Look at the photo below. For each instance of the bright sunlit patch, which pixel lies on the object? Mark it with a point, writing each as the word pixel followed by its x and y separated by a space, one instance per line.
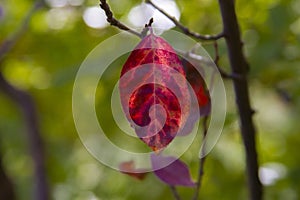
pixel 270 173
pixel 95 17
pixel 62 191
pixel 88 175
pixel 57 3
pixel 62 3
pixel 25 74
pixel 75 2
pixel 295 26
pixel 296 6
pixel 57 18
pixel 18 72
pixel 87 195
pixel 291 52
pixel 141 14
pixel 39 78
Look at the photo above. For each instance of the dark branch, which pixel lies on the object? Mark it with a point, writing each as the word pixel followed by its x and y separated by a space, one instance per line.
pixel 149 23
pixel 147 27
pixel 217 55
pixel 239 66
pixel 185 29
pixel 175 192
pixel 27 105
pixel 113 21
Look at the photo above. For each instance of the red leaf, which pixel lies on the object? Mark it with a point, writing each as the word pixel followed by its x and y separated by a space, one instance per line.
pixel 155 125
pixel 195 79
pixel 129 169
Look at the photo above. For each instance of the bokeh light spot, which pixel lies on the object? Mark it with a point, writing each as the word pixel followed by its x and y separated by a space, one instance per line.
pixel 95 17
pixel 140 15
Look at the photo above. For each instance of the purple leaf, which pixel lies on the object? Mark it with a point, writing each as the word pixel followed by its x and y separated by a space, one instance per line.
pixel 175 174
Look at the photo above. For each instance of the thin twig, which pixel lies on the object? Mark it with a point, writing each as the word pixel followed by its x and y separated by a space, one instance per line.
pixel 113 21
pixel 10 42
pixel 222 72
pixel 175 192
pixel 217 55
pixel 232 76
pixel 199 58
pixel 183 28
pixel 201 160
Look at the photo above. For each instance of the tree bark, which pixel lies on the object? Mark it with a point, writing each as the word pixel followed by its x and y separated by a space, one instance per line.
pixel 239 67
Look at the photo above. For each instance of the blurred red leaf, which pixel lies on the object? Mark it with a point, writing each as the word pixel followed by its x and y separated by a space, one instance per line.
pixel 129 169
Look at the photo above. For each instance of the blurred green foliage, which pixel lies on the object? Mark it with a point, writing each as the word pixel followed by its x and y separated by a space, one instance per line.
pixel 48 56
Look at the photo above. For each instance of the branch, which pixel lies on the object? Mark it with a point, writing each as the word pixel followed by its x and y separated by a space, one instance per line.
pixel 9 43
pixel 174 192
pixel 198 58
pixel 239 66
pixel 201 161
pixel 183 28
pixel 222 72
pixel 113 21
pixel 25 102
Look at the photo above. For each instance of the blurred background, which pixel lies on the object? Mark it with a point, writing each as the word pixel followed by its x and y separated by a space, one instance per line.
pixel 62 33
